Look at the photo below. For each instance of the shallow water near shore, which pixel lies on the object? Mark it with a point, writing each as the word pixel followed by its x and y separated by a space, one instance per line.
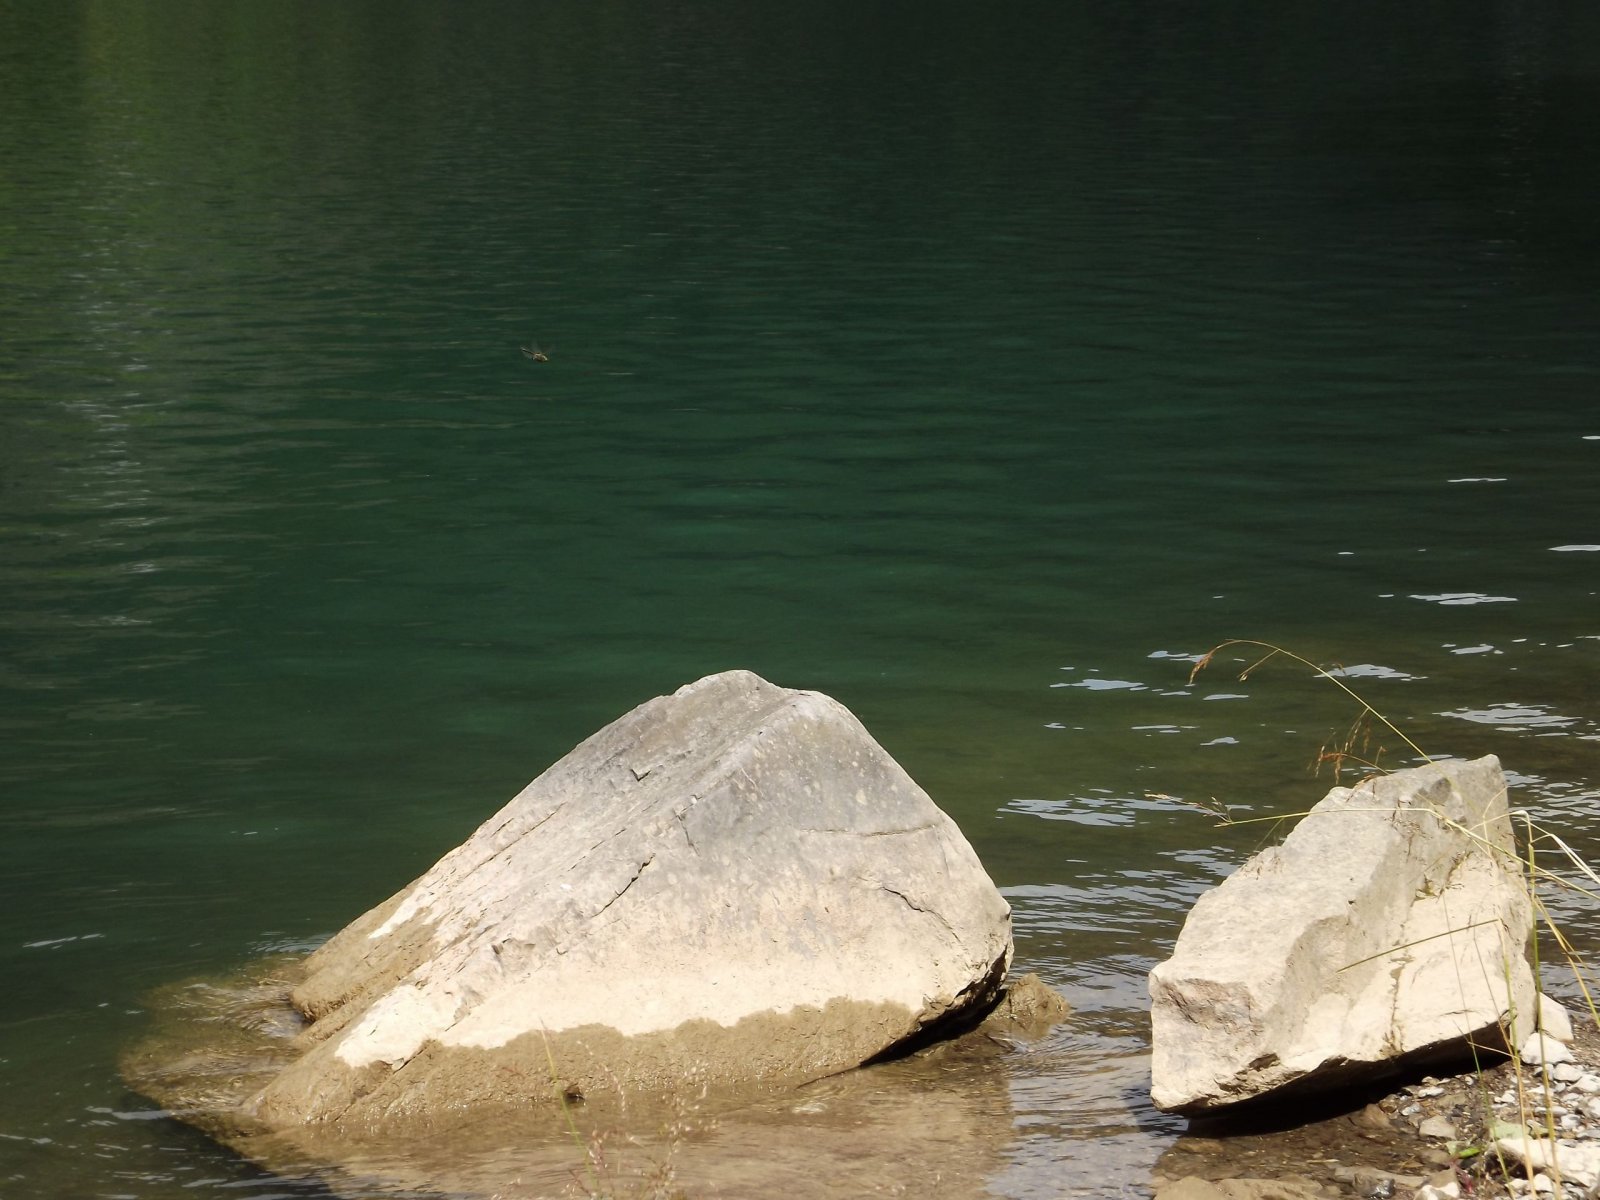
pixel 981 373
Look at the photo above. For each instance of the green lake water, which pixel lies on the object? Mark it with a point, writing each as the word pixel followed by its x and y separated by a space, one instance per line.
pixel 980 367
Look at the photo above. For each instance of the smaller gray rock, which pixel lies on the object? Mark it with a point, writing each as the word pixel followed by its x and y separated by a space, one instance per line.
pixel 1540 1048
pixel 1578 1165
pixel 1553 1019
pixel 1437 1127
pixel 1372 1117
pixel 1029 1008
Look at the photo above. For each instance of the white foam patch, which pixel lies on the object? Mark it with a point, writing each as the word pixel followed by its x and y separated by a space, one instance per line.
pixel 1369 671
pixel 51 943
pixel 1056 810
pixel 1465 598
pixel 1573 549
pixel 1513 716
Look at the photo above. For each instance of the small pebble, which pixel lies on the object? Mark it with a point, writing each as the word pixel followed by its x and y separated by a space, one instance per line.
pixel 1540 1048
pixel 1368 1180
pixel 1371 1117
pixel 1553 1019
pixel 1427 1093
pixel 1588 1083
pixel 1566 1072
pixel 1411 1110
pixel 1437 1127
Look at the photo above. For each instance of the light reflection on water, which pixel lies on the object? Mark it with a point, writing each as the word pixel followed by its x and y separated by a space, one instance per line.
pixel 982 376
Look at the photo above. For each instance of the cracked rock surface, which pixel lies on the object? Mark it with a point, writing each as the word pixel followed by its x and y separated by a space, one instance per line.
pixel 731 884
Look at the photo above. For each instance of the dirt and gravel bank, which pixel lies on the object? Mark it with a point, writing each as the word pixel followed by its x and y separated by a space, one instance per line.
pixel 1438 1138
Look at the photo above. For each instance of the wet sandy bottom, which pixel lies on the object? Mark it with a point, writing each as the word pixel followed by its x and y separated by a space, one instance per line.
pixel 968 1119
pixel 996 1112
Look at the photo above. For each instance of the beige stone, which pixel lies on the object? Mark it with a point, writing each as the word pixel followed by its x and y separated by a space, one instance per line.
pixel 1576 1164
pixel 1554 1020
pixel 1390 925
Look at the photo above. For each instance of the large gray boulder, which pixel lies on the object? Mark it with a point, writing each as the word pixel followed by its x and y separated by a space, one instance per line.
pixel 1389 930
pixel 731 883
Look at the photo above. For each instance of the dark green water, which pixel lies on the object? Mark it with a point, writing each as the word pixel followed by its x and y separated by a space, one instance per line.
pixel 978 368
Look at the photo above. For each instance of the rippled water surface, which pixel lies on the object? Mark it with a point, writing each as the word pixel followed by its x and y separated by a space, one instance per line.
pixel 981 368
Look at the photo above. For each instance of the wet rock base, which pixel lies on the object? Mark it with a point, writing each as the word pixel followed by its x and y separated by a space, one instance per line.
pixel 935 1122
